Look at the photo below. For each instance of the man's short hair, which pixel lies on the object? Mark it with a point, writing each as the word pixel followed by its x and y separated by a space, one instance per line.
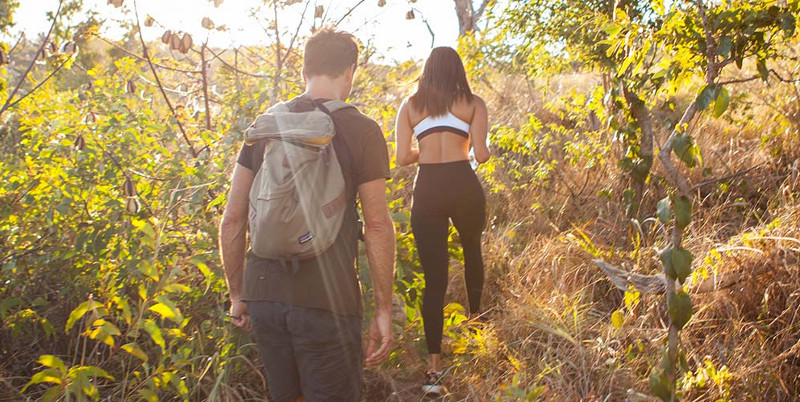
pixel 329 52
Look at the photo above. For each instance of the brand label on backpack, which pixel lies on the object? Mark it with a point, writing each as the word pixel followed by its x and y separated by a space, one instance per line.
pixel 306 238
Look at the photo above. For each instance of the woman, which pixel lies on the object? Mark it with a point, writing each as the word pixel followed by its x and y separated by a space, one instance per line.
pixel 446 119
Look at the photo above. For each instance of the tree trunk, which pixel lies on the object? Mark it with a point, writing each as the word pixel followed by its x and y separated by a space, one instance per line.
pixel 467 15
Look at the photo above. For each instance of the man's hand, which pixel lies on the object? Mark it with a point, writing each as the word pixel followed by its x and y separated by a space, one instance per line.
pixel 380 337
pixel 239 315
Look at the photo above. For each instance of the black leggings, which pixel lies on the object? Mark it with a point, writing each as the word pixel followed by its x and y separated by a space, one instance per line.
pixel 444 191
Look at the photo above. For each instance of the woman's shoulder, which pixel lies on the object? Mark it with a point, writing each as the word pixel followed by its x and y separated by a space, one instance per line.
pixel 465 108
pixel 477 101
pixel 409 109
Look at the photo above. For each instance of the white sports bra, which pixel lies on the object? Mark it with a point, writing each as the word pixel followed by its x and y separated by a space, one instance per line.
pixel 446 122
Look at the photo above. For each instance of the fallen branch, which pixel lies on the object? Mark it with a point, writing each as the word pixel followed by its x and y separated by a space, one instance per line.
pixel 623 280
pixel 728 177
pixel 651 284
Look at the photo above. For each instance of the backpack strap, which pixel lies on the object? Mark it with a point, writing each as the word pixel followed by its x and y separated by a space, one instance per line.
pixel 332 106
pixel 329 108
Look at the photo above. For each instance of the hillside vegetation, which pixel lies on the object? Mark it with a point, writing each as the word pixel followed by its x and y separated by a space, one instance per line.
pixel 114 171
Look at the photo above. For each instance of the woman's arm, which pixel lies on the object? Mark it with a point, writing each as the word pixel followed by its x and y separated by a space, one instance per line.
pixel 478 130
pixel 404 135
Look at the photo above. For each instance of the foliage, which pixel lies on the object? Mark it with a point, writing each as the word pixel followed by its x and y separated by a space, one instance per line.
pixel 110 281
pixel 7 8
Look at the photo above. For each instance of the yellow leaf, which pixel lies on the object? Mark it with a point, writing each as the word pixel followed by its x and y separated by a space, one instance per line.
pixel 617 319
pixel 135 350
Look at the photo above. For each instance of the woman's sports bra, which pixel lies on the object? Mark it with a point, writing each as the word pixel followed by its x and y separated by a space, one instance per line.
pixel 446 122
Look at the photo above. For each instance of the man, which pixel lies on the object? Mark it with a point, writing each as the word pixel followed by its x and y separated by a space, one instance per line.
pixel 307 321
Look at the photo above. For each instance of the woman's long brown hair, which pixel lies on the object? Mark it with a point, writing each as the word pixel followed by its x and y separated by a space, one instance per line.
pixel 443 81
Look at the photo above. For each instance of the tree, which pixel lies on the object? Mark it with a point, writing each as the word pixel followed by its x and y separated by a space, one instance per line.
pixel 649 53
pixel 7 8
pixel 468 16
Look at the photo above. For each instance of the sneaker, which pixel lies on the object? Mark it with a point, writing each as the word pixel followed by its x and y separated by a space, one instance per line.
pixel 433 383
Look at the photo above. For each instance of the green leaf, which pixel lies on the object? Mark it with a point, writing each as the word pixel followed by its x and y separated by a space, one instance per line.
pixel 135 350
pixel 659 385
pixel 76 314
pixel 722 102
pixel 7 304
pixel 148 395
pixel 144 227
pixel 663 209
pixel 155 333
pixel 761 64
pixel 617 319
pixel 682 263
pixel 166 309
pixel 53 362
pixel 641 168
pixel 683 147
pixel 683 211
pixel 788 24
pixel 93 371
pixel 81 382
pixel 680 309
pixel 666 261
pixel 52 376
pixel 177 288
pixel 52 394
pixel 104 331
pixel 707 95
pixel 684 364
pixel 666 362
pixel 612 29
pixel 725 46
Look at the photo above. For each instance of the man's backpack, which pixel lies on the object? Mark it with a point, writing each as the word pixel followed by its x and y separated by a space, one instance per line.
pixel 298 199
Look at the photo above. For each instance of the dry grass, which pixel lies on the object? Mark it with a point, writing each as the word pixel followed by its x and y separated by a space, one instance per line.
pixel 548 327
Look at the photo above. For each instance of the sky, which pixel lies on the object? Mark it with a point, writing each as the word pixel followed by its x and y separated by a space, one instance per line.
pixel 395 37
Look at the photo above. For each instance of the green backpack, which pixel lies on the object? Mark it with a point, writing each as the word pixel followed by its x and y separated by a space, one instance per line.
pixel 298 200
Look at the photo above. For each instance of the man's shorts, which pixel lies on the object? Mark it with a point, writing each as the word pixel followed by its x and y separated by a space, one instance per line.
pixel 307 351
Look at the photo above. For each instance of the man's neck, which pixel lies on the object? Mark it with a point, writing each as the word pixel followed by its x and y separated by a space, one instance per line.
pixel 324 87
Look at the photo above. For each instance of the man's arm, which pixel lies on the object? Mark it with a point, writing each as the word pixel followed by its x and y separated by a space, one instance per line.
pixel 233 243
pixel 380 244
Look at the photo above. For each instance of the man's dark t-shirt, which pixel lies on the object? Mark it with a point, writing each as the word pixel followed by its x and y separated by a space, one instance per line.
pixel 329 281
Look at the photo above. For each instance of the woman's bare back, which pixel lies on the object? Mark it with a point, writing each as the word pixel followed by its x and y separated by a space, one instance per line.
pixel 444 146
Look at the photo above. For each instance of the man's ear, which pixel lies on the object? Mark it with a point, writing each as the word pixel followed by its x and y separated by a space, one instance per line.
pixel 351 71
pixel 303 73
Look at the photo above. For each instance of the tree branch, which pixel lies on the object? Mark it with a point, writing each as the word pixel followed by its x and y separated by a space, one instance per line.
pixel 158 81
pixel 21 36
pixel 235 69
pixel 711 47
pixel 299 24
pixel 204 69
pixel 136 56
pixel 482 8
pixel 675 176
pixel 345 15
pixel 278 57
pixel 739 80
pixel 428 25
pixel 33 61
pixel 52 73
pixel 728 177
